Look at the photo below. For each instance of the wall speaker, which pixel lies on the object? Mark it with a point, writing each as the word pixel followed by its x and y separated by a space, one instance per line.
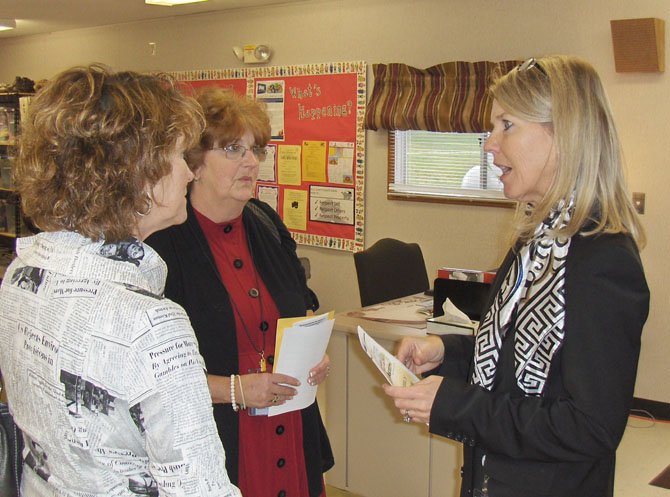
pixel 639 44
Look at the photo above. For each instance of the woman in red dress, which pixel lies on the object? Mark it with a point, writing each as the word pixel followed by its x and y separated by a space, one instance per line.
pixel 233 267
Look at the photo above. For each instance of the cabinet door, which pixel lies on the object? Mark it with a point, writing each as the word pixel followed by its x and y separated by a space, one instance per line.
pixel 446 459
pixel 376 453
pixel 334 409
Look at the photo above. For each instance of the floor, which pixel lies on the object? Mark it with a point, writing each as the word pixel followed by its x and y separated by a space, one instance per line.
pixel 336 492
pixel 643 454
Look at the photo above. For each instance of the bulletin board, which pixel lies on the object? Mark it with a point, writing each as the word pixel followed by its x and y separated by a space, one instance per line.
pixel 314 174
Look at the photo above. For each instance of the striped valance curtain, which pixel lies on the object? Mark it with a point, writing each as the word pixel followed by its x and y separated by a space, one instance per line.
pixel 448 97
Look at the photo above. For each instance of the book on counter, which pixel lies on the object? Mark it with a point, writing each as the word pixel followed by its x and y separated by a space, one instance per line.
pixel 442 325
pixel 452 273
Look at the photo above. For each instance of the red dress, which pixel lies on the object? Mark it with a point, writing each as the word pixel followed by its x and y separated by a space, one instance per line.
pixel 271 459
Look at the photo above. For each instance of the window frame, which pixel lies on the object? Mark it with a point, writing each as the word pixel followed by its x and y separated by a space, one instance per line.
pixel 443 198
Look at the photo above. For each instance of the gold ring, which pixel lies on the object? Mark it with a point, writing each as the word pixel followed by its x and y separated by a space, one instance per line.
pixel 275 399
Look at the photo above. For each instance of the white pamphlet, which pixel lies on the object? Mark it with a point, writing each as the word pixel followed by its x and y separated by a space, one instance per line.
pixel 301 344
pixel 395 372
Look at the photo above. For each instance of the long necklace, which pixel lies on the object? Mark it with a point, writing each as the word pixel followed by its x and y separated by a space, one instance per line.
pixel 254 292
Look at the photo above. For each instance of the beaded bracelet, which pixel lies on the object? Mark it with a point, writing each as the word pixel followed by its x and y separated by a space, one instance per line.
pixel 244 402
pixel 232 393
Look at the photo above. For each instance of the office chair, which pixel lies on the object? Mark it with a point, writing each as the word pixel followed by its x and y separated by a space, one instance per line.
pixel 390 269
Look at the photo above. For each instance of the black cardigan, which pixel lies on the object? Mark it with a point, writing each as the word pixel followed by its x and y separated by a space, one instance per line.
pixel 193 282
pixel 562 443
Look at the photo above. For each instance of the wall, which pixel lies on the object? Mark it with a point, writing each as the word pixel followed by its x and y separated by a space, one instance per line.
pixel 421 33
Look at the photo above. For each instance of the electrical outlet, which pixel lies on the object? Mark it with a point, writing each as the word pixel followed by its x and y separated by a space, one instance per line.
pixel 638 202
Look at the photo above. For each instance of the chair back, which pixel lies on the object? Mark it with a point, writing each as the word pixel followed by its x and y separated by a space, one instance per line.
pixel 307 266
pixel 390 269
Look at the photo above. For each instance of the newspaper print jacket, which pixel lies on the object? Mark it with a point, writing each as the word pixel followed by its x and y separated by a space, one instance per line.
pixel 104 377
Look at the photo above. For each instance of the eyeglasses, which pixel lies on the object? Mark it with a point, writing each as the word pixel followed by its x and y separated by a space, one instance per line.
pixel 235 151
pixel 529 64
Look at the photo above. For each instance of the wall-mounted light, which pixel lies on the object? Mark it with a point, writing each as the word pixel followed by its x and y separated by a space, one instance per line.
pixel 239 53
pixel 7 24
pixel 253 54
pixel 170 3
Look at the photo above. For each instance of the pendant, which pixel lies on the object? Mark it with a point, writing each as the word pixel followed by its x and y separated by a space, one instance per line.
pixel 261 363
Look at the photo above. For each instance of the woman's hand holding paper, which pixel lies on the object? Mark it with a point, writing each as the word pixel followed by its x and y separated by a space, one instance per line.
pixel 421 354
pixel 320 372
pixel 415 402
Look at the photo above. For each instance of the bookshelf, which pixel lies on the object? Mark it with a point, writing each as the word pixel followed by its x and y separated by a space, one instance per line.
pixel 12 226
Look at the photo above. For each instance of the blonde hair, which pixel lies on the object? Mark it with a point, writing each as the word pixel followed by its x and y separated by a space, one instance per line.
pixel 228 116
pixel 565 94
pixel 93 141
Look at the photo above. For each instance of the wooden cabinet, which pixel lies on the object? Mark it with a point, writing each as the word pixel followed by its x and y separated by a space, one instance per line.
pixel 376 453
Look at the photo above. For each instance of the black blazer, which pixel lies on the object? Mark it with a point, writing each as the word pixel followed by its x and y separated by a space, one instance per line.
pixel 193 282
pixel 563 443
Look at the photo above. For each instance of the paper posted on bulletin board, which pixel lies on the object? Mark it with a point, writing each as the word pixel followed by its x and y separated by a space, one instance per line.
pixel 314 173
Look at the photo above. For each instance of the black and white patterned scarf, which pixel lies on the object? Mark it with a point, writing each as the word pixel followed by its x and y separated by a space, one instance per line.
pixel 534 290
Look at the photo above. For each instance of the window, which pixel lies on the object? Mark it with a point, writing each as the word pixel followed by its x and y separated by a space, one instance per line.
pixel 448 167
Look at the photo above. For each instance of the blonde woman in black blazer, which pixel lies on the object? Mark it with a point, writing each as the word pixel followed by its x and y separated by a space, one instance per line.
pixel 540 396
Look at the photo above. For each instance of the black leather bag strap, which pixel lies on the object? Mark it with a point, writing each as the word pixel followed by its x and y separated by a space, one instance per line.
pixel 11 446
pixel 8 456
pixel 265 219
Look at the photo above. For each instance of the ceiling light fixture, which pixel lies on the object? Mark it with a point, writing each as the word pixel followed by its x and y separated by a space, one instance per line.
pixel 7 24
pixel 170 3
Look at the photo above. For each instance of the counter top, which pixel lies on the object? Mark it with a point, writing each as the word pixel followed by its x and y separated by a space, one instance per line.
pixel 390 320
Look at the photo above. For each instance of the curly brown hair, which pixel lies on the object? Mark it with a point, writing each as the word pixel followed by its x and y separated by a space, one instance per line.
pixel 94 142
pixel 228 116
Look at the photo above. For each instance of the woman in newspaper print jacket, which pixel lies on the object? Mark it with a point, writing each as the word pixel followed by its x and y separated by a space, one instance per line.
pixel 104 376
pixel 234 268
pixel 540 397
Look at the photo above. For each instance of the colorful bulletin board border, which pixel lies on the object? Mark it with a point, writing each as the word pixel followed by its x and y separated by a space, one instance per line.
pixel 317 113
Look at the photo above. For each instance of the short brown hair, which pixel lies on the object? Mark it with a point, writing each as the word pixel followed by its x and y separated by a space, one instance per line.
pixel 228 116
pixel 91 144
